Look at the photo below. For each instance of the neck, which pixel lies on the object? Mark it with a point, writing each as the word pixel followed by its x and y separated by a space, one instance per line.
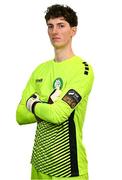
pixel 62 54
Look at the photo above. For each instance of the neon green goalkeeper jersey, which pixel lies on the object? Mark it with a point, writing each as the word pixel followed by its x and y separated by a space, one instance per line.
pixel 58 149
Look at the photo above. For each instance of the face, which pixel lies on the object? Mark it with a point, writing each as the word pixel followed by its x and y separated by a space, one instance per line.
pixel 60 32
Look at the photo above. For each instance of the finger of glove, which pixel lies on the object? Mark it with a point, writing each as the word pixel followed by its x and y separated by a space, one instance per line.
pixel 30 103
pixel 55 95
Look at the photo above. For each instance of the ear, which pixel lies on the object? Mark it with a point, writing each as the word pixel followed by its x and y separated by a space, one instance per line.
pixel 74 30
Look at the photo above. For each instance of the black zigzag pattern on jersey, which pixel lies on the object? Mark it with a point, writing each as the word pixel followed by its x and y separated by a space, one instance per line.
pixel 51 152
pixel 54 150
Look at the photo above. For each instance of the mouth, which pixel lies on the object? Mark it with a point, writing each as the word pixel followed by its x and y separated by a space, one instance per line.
pixel 56 38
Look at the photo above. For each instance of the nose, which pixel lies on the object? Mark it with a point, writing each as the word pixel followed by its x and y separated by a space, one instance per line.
pixel 55 30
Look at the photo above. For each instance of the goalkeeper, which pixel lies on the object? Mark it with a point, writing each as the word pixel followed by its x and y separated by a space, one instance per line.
pixel 55 98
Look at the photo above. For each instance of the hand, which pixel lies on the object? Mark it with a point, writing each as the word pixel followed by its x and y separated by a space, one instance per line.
pixel 54 95
pixel 32 101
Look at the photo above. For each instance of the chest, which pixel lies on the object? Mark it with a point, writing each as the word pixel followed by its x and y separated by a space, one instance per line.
pixel 48 80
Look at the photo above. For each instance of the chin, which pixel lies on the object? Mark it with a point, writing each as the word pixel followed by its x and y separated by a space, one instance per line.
pixel 58 46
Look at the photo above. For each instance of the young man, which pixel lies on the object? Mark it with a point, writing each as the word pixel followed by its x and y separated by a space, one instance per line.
pixel 55 97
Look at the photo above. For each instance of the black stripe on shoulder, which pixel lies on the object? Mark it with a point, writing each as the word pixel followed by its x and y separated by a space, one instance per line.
pixel 84 62
pixel 86 72
pixel 86 68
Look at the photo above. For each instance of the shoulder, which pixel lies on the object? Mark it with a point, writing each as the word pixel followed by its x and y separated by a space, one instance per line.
pixel 85 68
pixel 43 66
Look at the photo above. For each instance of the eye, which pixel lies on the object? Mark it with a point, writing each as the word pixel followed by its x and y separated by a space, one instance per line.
pixel 50 26
pixel 61 25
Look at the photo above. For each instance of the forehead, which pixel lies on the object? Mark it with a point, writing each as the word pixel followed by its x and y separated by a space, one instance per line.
pixel 57 20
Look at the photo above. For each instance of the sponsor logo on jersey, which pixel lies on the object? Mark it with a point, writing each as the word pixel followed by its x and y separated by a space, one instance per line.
pixel 72 98
pixel 58 83
pixel 39 80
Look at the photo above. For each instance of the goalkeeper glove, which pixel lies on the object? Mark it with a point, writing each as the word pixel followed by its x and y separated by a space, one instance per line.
pixel 32 101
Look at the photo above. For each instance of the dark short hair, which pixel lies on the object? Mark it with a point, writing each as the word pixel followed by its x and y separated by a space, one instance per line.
pixel 58 10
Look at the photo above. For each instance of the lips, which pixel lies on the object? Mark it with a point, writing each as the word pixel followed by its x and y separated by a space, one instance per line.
pixel 56 38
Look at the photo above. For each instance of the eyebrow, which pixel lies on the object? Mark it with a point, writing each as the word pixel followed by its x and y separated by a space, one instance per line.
pixel 56 24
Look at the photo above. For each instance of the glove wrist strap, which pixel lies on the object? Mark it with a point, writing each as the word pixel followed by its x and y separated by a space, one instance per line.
pixel 33 106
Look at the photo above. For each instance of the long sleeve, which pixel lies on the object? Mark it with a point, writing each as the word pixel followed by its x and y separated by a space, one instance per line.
pixel 23 116
pixel 61 109
pixel 63 88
